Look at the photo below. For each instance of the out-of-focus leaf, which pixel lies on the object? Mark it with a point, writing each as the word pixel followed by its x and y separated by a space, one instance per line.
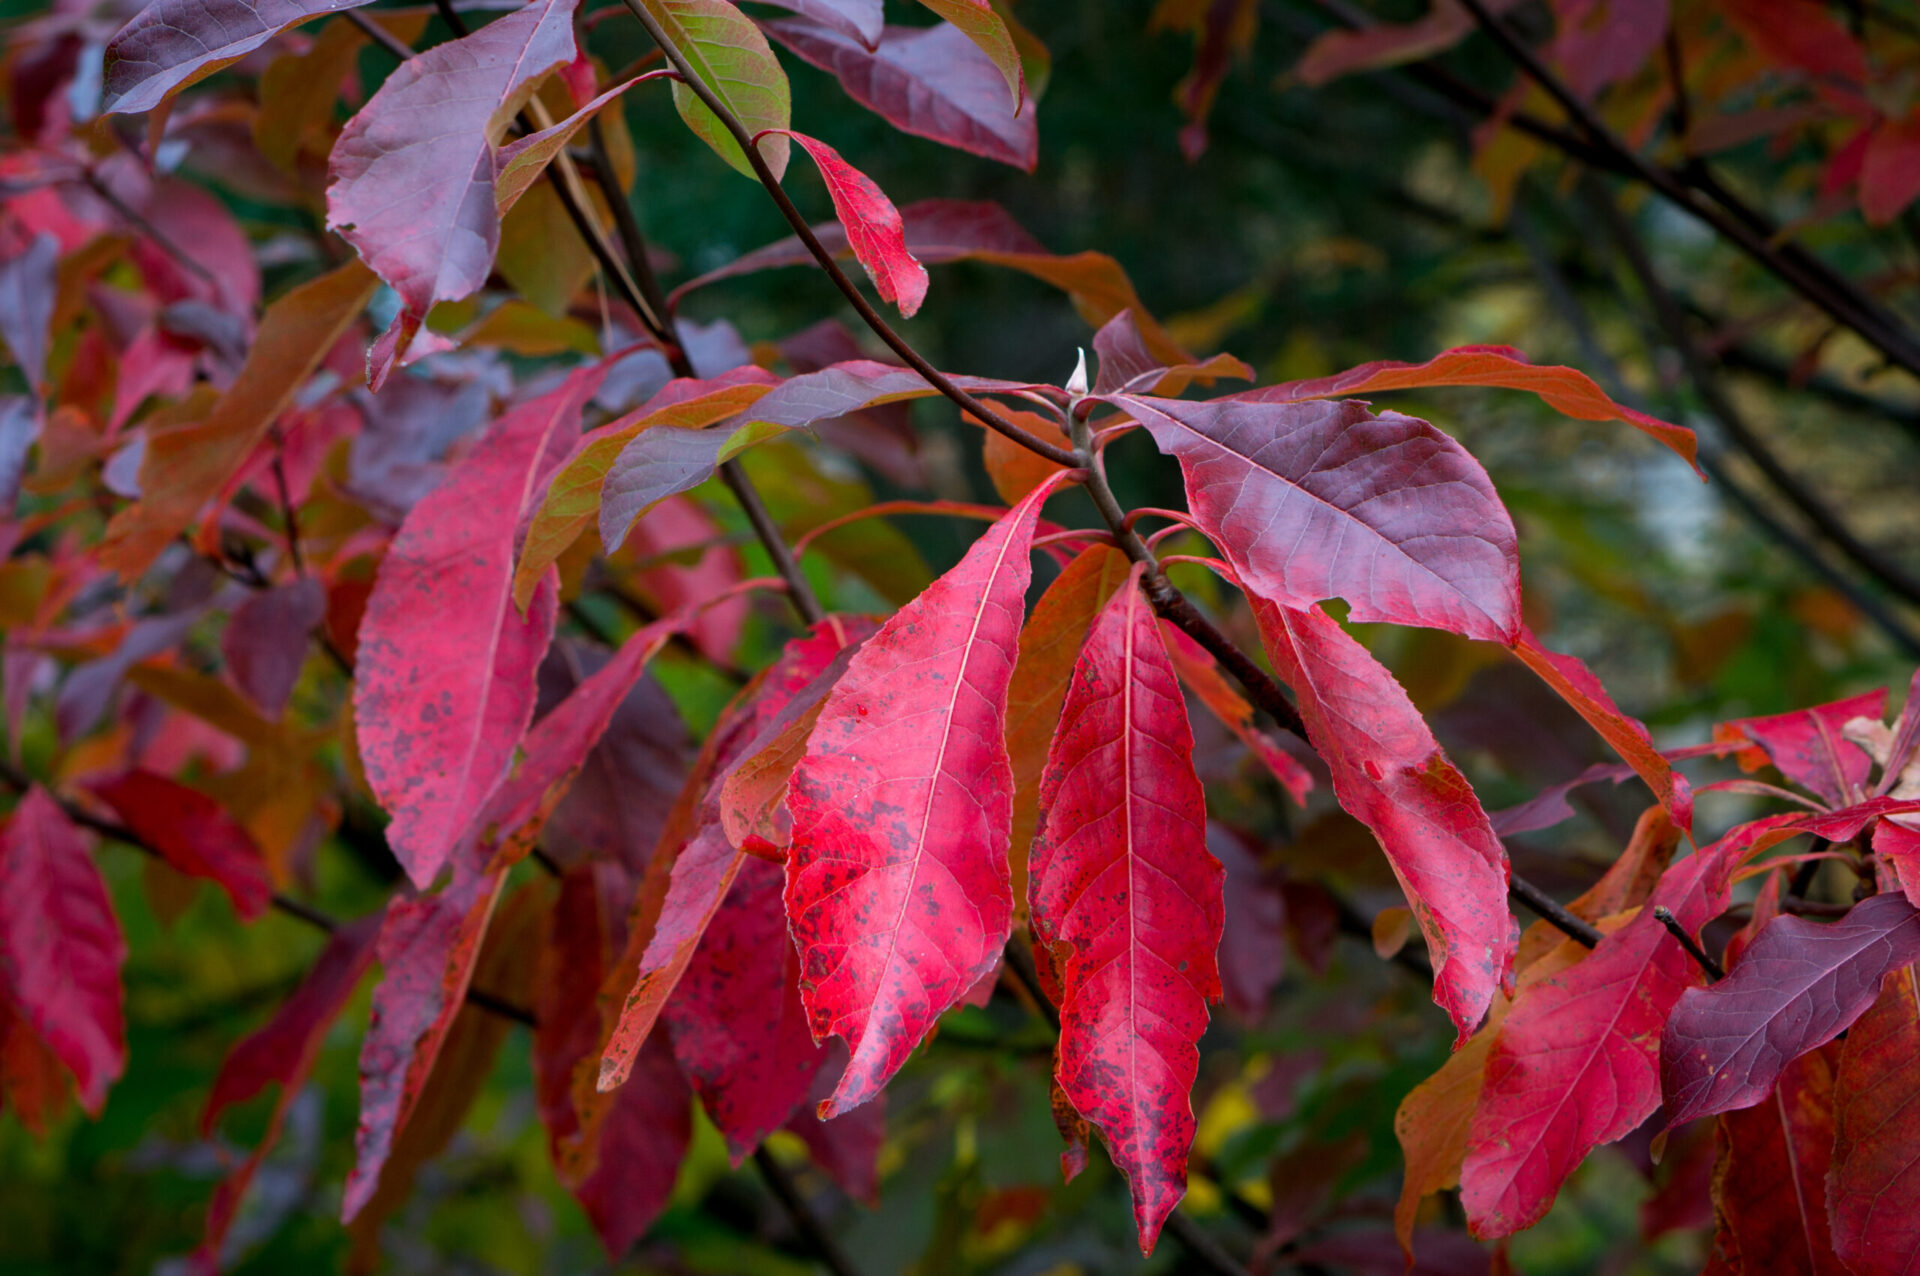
pixel 267 639
pixel 730 55
pixel 174 43
pixel 193 832
pixel 28 289
pixel 1201 675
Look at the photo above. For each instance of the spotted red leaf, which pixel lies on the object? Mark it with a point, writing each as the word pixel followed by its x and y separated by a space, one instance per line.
pixel 60 945
pixel 1770 1185
pixel 446 665
pixel 193 833
pixel 1390 773
pixel 1798 986
pixel 873 227
pixel 1806 745
pixel 1126 901
pixel 897 879
pixel 173 43
pixel 1576 1063
pixel 427 948
pixel 282 1052
pixel 1874 1191
pixel 1317 500
pixel 932 82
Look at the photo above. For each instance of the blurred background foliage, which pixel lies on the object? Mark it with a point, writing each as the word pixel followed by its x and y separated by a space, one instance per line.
pixel 1323 226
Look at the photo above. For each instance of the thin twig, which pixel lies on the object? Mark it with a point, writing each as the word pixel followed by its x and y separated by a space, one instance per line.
pixel 1665 917
pixel 825 1247
pixel 379 35
pixel 160 238
pixel 1550 910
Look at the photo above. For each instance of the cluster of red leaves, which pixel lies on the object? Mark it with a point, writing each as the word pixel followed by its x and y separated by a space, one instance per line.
pixel 873 811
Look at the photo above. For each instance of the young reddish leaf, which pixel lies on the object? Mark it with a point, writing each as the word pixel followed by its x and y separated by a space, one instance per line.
pixel 1799 985
pixel 193 833
pixel 60 945
pixel 1311 501
pixel 1566 391
pixel 411 178
pixel 873 227
pixel 573 495
pixel 1577 1061
pixel 175 43
pixel 688 880
pixel 1127 365
pixel 446 667
pixel 1770 1186
pixel 860 20
pixel 932 82
pixel 1126 902
pixel 283 1051
pixel 1874 1188
pixel 643 1140
pixel 897 881
pixel 267 639
pixel 1389 772
pixel 730 55
pixel 977 20
pixel 1222 29
pixel 1807 745
pixel 1575 683
pixel 738 1027
pixel 1200 673
pixel 427 947
pixel 1050 644
pixel 189 464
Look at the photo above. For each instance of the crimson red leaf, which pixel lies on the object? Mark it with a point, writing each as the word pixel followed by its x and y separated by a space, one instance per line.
pixel 897 880
pixel 411 178
pixel 873 227
pixel 581 939
pixel 60 945
pixel 1874 1191
pixel 1807 747
pixel 1770 1186
pixel 194 833
pixel 172 43
pixel 427 947
pixel 1390 773
pixel 267 639
pixel 1126 901
pixel 1797 987
pixel 643 1140
pixel 1201 675
pixel 932 82
pixel 738 1027
pixel 1576 1063
pixel 1319 500
pixel 446 666
pixel 284 1052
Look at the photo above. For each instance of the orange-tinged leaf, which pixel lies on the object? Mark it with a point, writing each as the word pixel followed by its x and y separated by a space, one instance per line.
pixel 1013 470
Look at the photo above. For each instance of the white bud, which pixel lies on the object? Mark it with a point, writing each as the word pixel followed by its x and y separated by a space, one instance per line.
pixel 1077 383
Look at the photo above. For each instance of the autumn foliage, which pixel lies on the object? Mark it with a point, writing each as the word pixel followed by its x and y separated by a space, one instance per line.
pixel 423 533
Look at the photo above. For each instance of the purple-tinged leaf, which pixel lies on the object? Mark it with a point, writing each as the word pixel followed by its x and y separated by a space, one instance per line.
pixel 28 289
pixel 193 833
pixel 60 945
pixel 1799 985
pixel 1807 747
pixel 19 427
pixel 1126 903
pixel 174 43
pixel 1127 365
pixel 446 666
pixel 267 639
pixel 932 82
pixel 860 20
pixel 978 21
pixel 897 880
pixel 1319 500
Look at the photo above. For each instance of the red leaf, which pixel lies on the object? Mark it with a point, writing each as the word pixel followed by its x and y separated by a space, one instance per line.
pixel 686 885
pixel 581 940
pixel 1128 365
pixel 446 667
pixel 284 1052
pixel 738 1027
pixel 1575 684
pixel 1253 946
pixel 427 947
pixel 1390 773
pixel 1222 29
pixel 1201 674
pixel 174 43
pixel 1890 170
pixel 266 641
pixel 1799 33
pixel 897 881
pixel 1770 1186
pixel 1806 745
pixel 194 833
pixel 411 178
pixel 1874 1190
pixel 1311 501
pixel 1577 1061
pixel 642 1143
pixel 846 1148
pixel 873 227
pixel 1799 985
pixel 60 945
pixel 932 82
pixel 1126 903
pixel 1566 391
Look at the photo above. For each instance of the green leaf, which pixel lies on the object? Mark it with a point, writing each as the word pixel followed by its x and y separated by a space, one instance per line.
pixel 731 57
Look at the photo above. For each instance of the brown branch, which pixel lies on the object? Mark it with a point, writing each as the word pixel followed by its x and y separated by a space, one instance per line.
pixel 1551 911
pixel 379 35
pixel 822 1241
pixel 1665 917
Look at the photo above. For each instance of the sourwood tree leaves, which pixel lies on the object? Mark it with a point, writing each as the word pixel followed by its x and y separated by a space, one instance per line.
pixel 764 802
